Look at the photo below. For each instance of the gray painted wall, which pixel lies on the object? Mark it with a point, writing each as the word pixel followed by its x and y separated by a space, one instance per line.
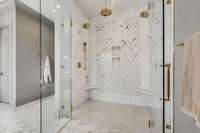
pixel 187 21
pixel 28 53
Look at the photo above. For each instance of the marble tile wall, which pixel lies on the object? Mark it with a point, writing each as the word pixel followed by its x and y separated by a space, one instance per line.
pixel 117 56
pixel 79 36
pixel 128 58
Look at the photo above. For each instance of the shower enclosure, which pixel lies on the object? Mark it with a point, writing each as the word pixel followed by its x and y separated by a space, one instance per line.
pixel 78 67
pixel 124 64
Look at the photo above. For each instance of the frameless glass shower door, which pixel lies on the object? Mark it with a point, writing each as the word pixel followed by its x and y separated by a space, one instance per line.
pixel 156 65
pixel 55 66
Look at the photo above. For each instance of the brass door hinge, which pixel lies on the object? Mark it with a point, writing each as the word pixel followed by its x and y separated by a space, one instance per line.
pixel 151 124
pixel 169 2
pixel 168 126
pixel 71 23
pixel 71 109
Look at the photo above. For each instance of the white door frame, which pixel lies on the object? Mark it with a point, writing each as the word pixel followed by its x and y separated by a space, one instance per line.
pixel 10 71
pixel 169 36
pixel 11 23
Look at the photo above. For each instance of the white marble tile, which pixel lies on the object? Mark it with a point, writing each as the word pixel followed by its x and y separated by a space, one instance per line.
pixel 26 118
pixel 77 126
pixel 23 119
pixel 104 117
pixel 91 117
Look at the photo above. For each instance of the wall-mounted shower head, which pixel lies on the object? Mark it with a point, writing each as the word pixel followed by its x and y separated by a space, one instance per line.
pixel 146 14
pixel 86 25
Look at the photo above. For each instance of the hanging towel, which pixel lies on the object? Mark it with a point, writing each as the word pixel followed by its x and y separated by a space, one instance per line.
pixel 196 90
pixel 191 77
pixel 187 82
pixel 47 71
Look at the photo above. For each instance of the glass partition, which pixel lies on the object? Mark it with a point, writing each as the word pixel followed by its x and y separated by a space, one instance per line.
pixel 156 64
pixel 120 79
pixel 56 66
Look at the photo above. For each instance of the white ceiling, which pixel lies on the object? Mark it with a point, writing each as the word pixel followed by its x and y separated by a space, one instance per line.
pixel 1 1
pixel 47 6
pixel 92 7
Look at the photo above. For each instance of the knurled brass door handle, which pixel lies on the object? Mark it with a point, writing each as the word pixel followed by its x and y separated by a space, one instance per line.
pixel 167 82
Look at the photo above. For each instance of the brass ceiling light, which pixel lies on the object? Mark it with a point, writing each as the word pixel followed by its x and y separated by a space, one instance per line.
pixel 145 14
pixel 106 11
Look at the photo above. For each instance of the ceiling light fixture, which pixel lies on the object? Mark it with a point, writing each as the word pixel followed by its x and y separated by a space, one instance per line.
pixel 54 10
pixel 58 6
pixel 106 11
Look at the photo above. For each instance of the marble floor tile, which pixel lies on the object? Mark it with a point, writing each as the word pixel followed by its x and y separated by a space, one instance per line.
pixel 90 117
pixel 26 118
pixel 104 117
pixel 78 126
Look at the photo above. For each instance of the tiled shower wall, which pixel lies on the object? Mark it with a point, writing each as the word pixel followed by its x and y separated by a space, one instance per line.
pixel 79 36
pixel 126 59
pixel 118 56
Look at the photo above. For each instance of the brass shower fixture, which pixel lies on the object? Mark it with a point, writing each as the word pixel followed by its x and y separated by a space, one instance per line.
pixel 106 11
pixel 146 14
pixel 86 25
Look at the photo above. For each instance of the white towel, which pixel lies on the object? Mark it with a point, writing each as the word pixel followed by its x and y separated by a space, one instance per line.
pixel 47 71
pixel 191 77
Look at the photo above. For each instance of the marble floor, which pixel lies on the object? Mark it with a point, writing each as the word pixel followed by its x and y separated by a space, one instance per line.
pixel 104 117
pixel 78 126
pixel 26 118
pixel 90 117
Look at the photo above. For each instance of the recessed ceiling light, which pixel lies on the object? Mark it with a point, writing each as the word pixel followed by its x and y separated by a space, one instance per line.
pixel 54 10
pixel 58 6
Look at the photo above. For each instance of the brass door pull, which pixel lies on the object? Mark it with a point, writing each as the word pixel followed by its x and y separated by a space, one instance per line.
pixel 167 83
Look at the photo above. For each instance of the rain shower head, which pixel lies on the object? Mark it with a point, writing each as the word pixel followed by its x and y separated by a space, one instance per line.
pixel 106 11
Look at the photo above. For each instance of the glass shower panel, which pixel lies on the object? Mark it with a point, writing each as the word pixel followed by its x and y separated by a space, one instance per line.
pixel 156 65
pixel 56 66
pixel 65 73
